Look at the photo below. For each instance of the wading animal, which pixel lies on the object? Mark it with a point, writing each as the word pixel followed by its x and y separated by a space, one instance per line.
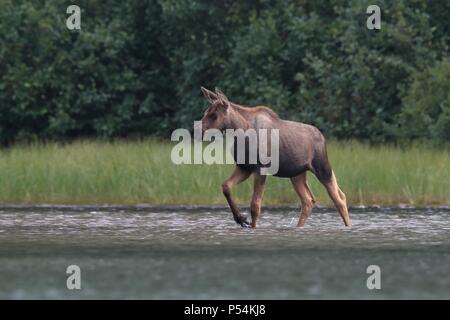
pixel 302 148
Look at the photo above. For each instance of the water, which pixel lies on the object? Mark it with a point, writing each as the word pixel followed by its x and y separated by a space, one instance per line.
pixel 200 253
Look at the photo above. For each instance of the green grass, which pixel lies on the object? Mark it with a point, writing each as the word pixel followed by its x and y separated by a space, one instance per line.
pixel 121 172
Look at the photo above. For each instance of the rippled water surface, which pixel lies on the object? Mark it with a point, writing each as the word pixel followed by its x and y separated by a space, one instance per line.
pixel 198 252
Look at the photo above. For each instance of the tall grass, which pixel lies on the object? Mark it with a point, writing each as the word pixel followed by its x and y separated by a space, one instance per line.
pixel 121 172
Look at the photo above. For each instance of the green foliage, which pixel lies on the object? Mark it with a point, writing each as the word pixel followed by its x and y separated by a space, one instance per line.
pixel 125 172
pixel 104 80
pixel 135 67
pixel 426 106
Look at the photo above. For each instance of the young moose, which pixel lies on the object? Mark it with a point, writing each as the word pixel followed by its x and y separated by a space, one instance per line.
pixel 301 148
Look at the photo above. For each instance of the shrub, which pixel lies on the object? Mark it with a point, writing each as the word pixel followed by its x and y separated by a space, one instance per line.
pixel 426 106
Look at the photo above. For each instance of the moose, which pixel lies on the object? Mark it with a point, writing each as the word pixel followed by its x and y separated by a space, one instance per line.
pixel 302 148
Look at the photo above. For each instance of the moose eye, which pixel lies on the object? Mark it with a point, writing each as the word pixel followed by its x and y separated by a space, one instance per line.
pixel 213 116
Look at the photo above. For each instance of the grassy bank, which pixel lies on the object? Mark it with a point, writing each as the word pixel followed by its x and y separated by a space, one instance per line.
pixel 142 172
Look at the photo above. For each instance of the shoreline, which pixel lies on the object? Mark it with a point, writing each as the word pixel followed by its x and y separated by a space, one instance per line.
pixel 141 172
pixel 203 207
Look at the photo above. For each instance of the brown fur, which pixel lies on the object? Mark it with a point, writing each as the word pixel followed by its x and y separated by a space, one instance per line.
pixel 301 148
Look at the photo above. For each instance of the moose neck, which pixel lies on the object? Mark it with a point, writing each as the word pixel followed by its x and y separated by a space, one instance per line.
pixel 239 117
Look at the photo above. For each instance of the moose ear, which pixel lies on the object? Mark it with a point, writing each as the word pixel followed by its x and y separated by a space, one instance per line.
pixel 222 97
pixel 211 96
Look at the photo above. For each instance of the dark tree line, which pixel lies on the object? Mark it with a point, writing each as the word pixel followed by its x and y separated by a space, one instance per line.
pixel 135 67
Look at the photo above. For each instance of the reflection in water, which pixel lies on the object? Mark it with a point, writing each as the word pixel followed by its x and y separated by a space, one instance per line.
pixel 199 252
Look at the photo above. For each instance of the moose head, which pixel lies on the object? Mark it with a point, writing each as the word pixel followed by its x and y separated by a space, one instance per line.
pixel 217 114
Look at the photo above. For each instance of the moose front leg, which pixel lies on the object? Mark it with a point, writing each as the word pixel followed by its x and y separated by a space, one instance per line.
pixel 236 177
pixel 258 191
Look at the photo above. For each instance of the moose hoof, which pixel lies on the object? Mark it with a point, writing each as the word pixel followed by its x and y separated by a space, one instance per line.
pixel 242 221
pixel 245 224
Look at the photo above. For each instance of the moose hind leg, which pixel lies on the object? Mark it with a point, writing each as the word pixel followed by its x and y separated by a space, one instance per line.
pixel 236 177
pixel 310 192
pixel 306 197
pixel 338 198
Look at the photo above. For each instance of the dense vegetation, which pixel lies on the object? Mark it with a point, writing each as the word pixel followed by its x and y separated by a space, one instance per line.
pixel 135 67
pixel 124 172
